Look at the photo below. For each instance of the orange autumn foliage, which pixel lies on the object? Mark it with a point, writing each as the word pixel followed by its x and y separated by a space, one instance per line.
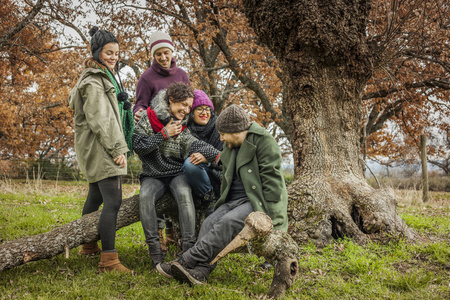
pixel 35 120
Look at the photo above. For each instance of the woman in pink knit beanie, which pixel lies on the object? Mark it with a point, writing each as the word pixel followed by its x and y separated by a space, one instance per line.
pixel 204 178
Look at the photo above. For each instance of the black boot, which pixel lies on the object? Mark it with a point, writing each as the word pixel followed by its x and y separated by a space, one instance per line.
pixel 209 196
pixel 209 200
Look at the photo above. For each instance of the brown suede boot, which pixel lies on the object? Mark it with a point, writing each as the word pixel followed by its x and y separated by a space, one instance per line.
pixel 110 262
pixel 170 237
pixel 162 240
pixel 91 248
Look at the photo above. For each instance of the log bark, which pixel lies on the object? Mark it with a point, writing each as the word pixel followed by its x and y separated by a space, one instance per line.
pixel 282 252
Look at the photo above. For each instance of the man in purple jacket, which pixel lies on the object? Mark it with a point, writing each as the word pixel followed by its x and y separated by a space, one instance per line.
pixel 160 75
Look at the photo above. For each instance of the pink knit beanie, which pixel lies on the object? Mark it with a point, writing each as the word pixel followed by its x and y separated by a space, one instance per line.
pixel 200 99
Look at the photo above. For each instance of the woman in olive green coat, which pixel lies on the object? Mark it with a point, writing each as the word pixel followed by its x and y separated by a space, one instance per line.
pixel 103 124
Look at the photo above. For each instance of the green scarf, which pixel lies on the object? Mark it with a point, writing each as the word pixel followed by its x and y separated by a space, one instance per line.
pixel 126 117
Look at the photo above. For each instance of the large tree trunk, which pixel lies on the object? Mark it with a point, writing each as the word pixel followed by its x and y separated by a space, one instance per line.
pixel 323 52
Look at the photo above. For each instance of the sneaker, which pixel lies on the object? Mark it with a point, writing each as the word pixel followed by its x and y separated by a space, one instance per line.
pixel 186 275
pixel 165 269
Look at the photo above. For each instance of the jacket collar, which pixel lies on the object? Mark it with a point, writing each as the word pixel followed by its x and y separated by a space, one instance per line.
pixel 91 63
pixel 246 154
pixel 256 129
pixel 248 149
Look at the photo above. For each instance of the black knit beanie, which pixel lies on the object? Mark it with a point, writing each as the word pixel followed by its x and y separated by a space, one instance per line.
pixel 100 38
pixel 232 120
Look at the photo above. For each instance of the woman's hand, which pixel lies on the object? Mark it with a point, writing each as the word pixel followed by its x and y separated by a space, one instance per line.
pixel 121 160
pixel 173 128
pixel 198 158
pixel 137 116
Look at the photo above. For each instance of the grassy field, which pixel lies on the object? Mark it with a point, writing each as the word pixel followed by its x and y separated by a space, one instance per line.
pixel 343 270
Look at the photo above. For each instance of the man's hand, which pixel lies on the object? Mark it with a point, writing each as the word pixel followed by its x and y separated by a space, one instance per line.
pixel 198 158
pixel 121 160
pixel 137 116
pixel 173 128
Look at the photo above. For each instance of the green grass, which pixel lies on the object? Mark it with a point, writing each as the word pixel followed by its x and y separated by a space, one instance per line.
pixel 342 270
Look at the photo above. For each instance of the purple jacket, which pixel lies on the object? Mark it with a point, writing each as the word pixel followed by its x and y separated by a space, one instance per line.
pixel 153 80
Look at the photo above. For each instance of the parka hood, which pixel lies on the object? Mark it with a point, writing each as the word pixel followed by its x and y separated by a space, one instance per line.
pixel 91 67
pixel 160 105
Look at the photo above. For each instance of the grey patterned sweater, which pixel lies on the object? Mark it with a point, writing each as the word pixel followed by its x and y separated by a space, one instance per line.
pixel 161 157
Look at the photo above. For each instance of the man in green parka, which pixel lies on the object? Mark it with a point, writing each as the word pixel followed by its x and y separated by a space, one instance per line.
pixel 252 180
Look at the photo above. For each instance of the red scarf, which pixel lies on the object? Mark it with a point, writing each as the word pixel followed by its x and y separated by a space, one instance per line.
pixel 155 122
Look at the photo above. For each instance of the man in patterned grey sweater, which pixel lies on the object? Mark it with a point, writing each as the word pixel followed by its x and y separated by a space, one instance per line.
pixel 163 143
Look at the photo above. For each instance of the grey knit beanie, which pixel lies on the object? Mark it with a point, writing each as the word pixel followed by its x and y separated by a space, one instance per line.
pixel 232 120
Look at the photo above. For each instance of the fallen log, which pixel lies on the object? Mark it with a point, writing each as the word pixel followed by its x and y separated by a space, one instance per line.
pixel 46 245
pixel 277 247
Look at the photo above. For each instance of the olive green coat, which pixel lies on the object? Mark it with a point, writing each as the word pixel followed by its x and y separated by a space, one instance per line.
pixel 98 130
pixel 258 165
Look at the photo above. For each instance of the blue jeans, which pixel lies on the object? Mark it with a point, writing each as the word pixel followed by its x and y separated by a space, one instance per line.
pixel 151 190
pixel 197 177
pixel 216 232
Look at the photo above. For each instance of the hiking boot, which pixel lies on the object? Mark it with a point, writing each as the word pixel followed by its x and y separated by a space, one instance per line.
pixel 208 202
pixel 170 237
pixel 186 275
pixel 91 248
pixel 164 269
pixel 109 262
pixel 209 196
pixel 162 240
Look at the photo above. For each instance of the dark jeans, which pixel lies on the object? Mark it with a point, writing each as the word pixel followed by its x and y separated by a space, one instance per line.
pixel 151 190
pixel 216 232
pixel 197 177
pixel 109 192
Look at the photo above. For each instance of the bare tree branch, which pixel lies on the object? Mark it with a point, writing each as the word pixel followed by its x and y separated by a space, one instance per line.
pixel 22 24
pixel 430 83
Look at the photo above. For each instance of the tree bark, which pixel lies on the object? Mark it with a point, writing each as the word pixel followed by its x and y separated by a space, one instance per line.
pixel 326 62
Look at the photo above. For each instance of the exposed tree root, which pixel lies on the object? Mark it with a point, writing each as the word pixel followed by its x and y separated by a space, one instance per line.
pixel 345 208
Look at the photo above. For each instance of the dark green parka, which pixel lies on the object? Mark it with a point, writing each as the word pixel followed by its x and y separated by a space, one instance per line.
pixel 258 165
